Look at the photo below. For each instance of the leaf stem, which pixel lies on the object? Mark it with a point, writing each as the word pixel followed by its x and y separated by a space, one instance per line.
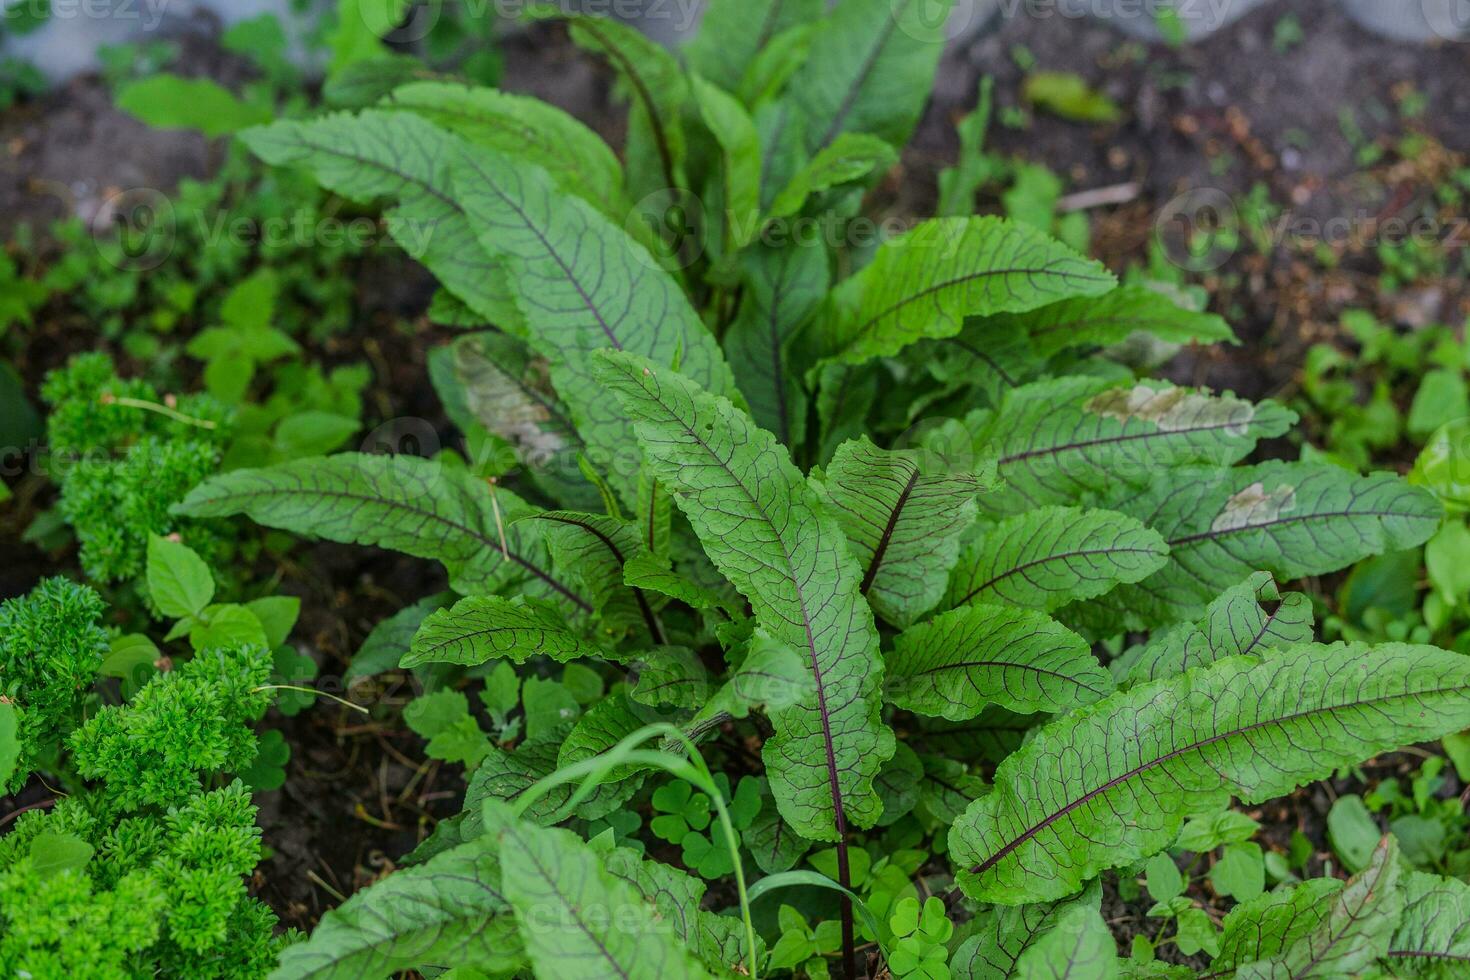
pixel 310 690
pixel 107 398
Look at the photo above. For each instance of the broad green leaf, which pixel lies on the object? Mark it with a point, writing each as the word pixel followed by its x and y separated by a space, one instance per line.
pixel 578 160
pixel 870 70
pixel 166 101
pixel 1290 519
pixel 1005 934
pixel 766 75
pixel 740 170
pixel 1047 557
pixel 403 503
pixel 487 627
pixel 1235 623
pixel 380 154
pixel 1433 937
pixel 903 525
pixel 577 920
pixel 179 581
pixel 583 285
pixel 1078 946
pixel 449 910
pixel 1347 928
pixel 961 661
pixel 767 531
pixel 493 380
pixel 733 32
pixel 1110 319
pixel 1067 439
pixel 926 282
pixel 783 288
pixel 1111 783
pixel 851 157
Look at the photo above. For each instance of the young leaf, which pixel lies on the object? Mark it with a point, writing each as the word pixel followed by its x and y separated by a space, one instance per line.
pixel 486 627
pixel 960 662
pixel 584 285
pixel 1110 319
pixel 1005 934
pixel 578 921
pixel 448 910
pixel 537 132
pixel 178 579
pixel 903 526
pixel 1235 623
pixel 851 157
pixel 767 532
pixel 396 155
pixel 1058 440
pixel 1112 782
pixel 740 173
pixel 1341 933
pixel 1290 519
pixel 733 32
pixel 1048 557
pixel 783 288
pixel 1433 938
pixel 926 282
pixel 404 503
pixel 871 66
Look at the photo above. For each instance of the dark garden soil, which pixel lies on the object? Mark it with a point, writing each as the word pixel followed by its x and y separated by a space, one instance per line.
pixel 1227 114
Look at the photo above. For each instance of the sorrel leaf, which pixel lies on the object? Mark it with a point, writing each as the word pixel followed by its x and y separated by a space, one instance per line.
pixel 1047 557
pixel 402 503
pixel 768 533
pixel 903 525
pixel 962 661
pixel 1111 783
pixel 487 627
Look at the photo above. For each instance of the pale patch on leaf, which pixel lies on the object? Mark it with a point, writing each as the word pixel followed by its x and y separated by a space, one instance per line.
pixel 1253 506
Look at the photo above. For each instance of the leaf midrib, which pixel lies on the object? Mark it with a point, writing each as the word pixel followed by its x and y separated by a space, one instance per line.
pixel 1087 797
pixel 1060 556
pixel 1060 448
pixel 970 277
pixel 811 641
pixel 1296 519
pixel 887 536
